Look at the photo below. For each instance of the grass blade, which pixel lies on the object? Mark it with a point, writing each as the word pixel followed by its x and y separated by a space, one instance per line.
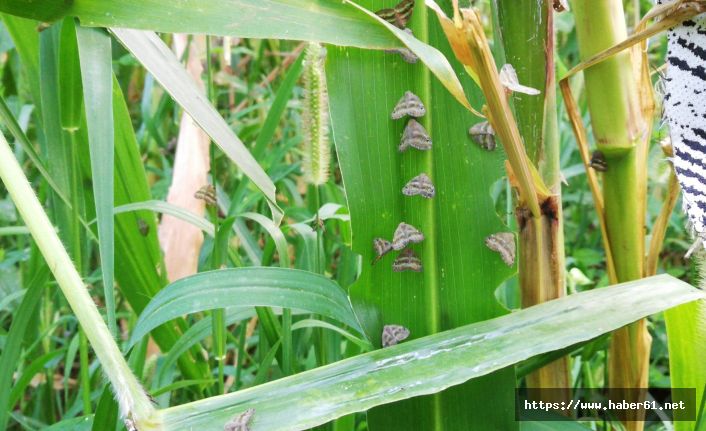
pixel 13 342
pixel 242 287
pixel 96 77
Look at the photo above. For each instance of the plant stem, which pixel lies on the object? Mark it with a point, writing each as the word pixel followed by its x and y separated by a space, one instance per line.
pixel 621 134
pixel 132 399
pixel 217 316
pixel 541 240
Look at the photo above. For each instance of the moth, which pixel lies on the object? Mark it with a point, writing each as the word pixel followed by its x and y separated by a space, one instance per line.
pixel 130 424
pixel 410 104
pixel 598 161
pixel 399 15
pixel 407 55
pixel 393 334
pixel 561 5
pixel 381 247
pixel 143 227
pixel 685 112
pixel 420 185
pixel 415 136
pixel 504 244
pixel 407 261
pixel 240 422
pixel 318 224
pixel 508 78
pixel 406 234
pixel 483 134
pixel 207 194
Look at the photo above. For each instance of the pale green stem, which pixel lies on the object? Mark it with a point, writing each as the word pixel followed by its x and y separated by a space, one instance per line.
pixel 130 395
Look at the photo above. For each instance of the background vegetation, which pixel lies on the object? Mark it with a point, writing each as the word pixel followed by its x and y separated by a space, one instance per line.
pixel 262 88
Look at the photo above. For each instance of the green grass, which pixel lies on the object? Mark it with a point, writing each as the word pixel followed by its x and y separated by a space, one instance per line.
pixel 94 130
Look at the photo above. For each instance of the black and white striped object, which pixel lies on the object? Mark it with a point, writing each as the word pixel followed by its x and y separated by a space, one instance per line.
pixel 685 112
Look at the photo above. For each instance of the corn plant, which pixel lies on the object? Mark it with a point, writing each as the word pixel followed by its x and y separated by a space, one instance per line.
pixel 326 288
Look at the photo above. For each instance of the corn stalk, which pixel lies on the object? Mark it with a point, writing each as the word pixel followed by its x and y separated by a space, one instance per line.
pixel 528 39
pixel 621 120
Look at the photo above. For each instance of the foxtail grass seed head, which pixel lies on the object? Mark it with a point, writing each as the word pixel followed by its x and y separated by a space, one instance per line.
pixel 407 261
pixel 393 334
pixel 685 112
pixel 406 234
pixel 240 422
pixel 504 244
pixel 399 15
pixel 483 134
pixel 420 185
pixel 415 136
pixel 410 104
pixel 509 80
pixel 315 121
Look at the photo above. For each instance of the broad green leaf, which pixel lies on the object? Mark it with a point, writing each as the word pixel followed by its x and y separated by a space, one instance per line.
pixel 433 363
pixel 686 335
pixel 315 20
pixel 247 287
pixel 156 57
pixel 97 79
pixel 460 273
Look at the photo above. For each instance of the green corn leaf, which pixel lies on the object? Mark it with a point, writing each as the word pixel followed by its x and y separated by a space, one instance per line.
pixel 433 363
pixel 460 274
pixel 686 335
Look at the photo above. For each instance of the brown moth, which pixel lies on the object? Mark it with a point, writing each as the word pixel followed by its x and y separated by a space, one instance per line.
pixel 130 424
pixel 206 193
pixel 381 247
pixel 483 134
pixel 561 5
pixel 598 161
pixel 393 334
pixel 420 185
pixel 415 136
pixel 406 234
pixel 143 227
pixel 508 78
pixel 410 104
pixel 399 15
pixel 240 422
pixel 407 55
pixel 504 244
pixel 407 261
